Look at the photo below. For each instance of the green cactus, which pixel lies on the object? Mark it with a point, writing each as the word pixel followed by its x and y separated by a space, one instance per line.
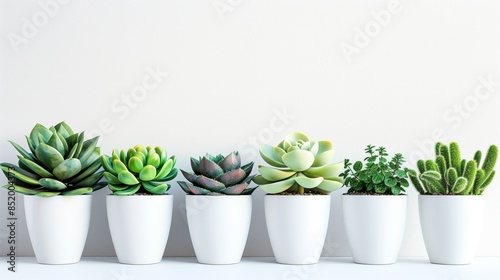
pixel 218 175
pixel 61 162
pixel 449 174
pixel 139 170
pixel 299 165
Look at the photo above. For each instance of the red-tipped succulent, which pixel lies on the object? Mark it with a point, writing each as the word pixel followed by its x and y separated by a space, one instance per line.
pixel 218 175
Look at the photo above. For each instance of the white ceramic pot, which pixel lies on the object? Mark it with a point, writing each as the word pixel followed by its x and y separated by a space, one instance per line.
pixel 58 227
pixel 139 226
pixel 297 226
pixel 451 225
pixel 218 226
pixel 375 226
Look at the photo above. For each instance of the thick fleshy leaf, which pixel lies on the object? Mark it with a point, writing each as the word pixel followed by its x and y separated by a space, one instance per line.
pixel 155 188
pixel 119 166
pixel 314 148
pixel 52 184
pixel 47 194
pixel 278 153
pixel 127 178
pixel 327 171
pixel 117 187
pixel 210 168
pixel 148 173
pixel 48 156
pixel 259 180
pixel 247 168
pixel 79 191
pixel 197 190
pixel 329 186
pixel 165 170
pixel 88 149
pixel 298 160
pixel 307 182
pixel 128 191
pixel 64 129
pixel 11 170
pixel 35 168
pixel 231 162
pixel 184 186
pixel 278 187
pixel 22 151
pixel 22 190
pixel 248 191
pixel 296 137
pixel 208 183
pixel 232 177
pixel 107 164
pixel 169 177
pixel 112 179
pixel 267 153
pixel 56 143
pixel 189 176
pixel 325 153
pixel 272 174
pixel 154 159
pixel 37 130
pixel 236 189
pixel 91 180
pixel 67 169
pixel 162 153
pixel 195 165
pixel 135 164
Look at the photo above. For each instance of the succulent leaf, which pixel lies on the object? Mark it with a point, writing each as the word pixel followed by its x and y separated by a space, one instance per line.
pixel 273 174
pixel 230 162
pixel 210 168
pixel 67 169
pixel 52 184
pixel 148 173
pixel 298 160
pixel 268 155
pixel 48 156
pixel 307 182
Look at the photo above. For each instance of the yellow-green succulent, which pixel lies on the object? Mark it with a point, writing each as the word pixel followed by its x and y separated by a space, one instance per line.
pixel 299 165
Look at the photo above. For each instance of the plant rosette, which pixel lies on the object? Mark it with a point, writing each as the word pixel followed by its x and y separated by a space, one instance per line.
pixel 451 204
pixel 56 174
pixel 297 204
pixel 375 204
pixel 218 202
pixel 137 177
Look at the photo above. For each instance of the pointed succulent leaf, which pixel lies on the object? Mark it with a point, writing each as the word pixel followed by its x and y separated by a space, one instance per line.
pixel 79 191
pixel 190 176
pixel 107 163
pixel 11 170
pixel 22 151
pixel 41 130
pixel 268 155
pixel 35 168
pixel 248 191
pixel 119 166
pixel 169 177
pixel 63 126
pixel 259 180
pixel 232 177
pixel 112 179
pixel 236 189
pixel 298 160
pixel 99 186
pixel 247 168
pixel 80 141
pixel 91 180
pixel 148 173
pixel 52 184
pixel 210 168
pixel 31 145
pixel 135 164
pixel 231 162
pixel 278 187
pixel 56 143
pixel 273 174
pixel 128 191
pixel 165 169
pixel 184 186
pixel 67 169
pixel 195 165
pixel 48 156
pixel 307 182
pixel 208 183
pixel 127 178
pixel 327 171
pixel 72 140
pixel 22 190
pixel 197 190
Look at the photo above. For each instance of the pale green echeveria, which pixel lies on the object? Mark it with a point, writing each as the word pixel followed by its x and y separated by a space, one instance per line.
pixel 299 165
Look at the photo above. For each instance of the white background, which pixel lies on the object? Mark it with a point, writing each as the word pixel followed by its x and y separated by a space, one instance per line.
pixel 248 73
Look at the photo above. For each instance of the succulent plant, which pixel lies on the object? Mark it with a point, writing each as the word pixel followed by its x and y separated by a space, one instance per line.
pixel 218 175
pixel 450 174
pixel 299 165
pixel 378 175
pixel 61 162
pixel 139 170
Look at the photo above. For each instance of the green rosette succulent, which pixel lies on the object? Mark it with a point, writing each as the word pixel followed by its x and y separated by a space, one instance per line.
pixel 218 175
pixel 139 170
pixel 60 162
pixel 299 165
pixel 449 174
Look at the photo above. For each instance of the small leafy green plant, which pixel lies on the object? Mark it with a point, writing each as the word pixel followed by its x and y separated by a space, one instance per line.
pixel 378 175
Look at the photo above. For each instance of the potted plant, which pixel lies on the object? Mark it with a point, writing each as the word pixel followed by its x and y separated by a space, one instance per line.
pixel 218 207
pixel 451 204
pixel 139 209
pixel 297 204
pixel 374 207
pixel 56 176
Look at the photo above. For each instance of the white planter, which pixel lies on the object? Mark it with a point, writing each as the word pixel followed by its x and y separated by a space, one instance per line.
pixel 218 226
pixel 139 226
pixel 297 226
pixel 451 225
pixel 58 227
pixel 375 226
